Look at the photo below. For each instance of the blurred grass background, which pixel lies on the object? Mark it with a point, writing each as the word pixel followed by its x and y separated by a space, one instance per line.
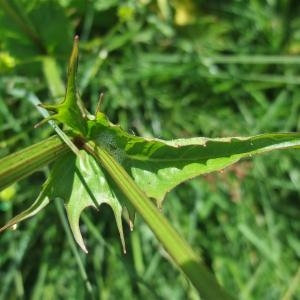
pixel 169 69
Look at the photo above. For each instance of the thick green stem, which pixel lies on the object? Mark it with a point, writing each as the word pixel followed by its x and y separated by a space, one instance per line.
pixel 175 245
pixel 26 161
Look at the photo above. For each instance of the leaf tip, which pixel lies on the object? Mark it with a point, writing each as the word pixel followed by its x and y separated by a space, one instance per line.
pixel 131 225
pixel 73 217
pixel 78 238
pixel 84 249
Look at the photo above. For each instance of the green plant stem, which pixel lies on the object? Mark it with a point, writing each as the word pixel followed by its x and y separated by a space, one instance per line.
pixel 175 245
pixel 26 161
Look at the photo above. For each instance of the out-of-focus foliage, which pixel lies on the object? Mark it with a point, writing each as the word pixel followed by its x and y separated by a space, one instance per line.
pixel 169 69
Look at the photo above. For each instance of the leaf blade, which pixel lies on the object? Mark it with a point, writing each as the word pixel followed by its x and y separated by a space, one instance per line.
pixel 158 166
